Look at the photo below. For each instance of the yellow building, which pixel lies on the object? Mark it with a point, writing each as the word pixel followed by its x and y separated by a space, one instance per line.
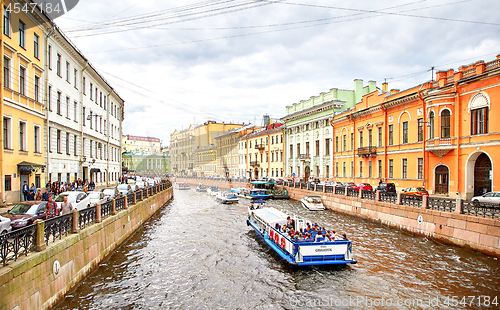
pixel 205 161
pixel 227 153
pixel 22 105
pixel 138 144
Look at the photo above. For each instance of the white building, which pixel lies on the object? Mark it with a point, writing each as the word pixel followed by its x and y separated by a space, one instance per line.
pixel 84 117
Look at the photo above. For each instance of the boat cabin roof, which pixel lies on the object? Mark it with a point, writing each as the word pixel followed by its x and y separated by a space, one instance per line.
pixel 271 216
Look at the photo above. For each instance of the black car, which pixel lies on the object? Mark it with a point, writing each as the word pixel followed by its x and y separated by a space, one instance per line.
pixel 387 187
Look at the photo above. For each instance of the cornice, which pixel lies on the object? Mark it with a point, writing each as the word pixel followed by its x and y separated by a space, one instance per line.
pixel 365 112
pixel 325 106
pixel 400 101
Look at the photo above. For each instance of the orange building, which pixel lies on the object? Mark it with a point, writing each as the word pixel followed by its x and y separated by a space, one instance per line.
pixel 437 135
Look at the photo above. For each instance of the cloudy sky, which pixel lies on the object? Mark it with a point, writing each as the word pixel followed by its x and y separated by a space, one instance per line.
pixel 181 62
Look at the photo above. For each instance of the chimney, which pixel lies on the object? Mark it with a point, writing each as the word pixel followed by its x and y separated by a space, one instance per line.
pixel 385 86
pixel 394 91
pixel 358 90
pixel 372 86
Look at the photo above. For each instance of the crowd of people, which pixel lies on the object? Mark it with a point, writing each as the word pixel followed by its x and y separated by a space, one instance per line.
pixel 312 233
pixel 55 188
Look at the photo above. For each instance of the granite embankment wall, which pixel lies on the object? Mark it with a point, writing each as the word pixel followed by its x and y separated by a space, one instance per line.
pixel 42 279
pixel 469 231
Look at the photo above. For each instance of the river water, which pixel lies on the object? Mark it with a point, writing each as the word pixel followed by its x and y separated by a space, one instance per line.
pixel 199 254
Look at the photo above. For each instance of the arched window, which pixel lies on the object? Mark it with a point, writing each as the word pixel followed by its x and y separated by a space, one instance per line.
pixel 445 124
pixel 431 125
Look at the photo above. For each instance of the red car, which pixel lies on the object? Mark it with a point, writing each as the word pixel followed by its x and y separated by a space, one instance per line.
pixel 363 186
pixel 417 191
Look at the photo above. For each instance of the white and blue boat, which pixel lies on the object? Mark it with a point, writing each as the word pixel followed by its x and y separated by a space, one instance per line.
pixel 226 197
pixel 213 190
pixel 265 220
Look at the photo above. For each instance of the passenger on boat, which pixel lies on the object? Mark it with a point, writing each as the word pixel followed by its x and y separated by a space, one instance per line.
pixel 309 238
pixel 341 237
pixel 328 237
pixel 319 237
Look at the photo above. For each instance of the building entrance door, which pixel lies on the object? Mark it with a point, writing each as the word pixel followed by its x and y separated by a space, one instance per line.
pixel 442 177
pixel 22 178
pixel 307 173
pixel 482 175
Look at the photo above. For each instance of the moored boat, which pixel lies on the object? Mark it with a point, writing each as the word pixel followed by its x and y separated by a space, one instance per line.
pixel 313 203
pixel 266 223
pixel 201 188
pixel 181 186
pixel 213 190
pixel 226 197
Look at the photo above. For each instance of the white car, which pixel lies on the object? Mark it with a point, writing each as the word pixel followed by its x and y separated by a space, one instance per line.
pixel 124 189
pixel 140 184
pixel 79 200
pixel 98 198
pixel 5 225
pixel 491 197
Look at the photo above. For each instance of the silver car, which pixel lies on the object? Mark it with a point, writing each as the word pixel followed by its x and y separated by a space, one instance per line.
pixel 98 198
pixel 124 189
pixel 5 225
pixel 79 200
pixel 491 197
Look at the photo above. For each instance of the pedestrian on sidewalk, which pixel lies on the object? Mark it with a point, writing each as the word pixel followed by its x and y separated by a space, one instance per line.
pixel 51 208
pixel 66 207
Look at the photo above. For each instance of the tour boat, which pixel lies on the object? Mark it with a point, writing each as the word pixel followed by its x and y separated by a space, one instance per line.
pixel 181 186
pixel 313 203
pixel 213 190
pixel 201 188
pixel 265 222
pixel 226 197
pixel 251 193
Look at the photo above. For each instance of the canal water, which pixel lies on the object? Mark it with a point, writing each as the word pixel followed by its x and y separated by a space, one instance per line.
pixel 199 254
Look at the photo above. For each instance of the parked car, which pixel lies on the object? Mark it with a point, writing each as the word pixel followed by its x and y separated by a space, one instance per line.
pixel 25 213
pixel 491 197
pixel 5 225
pixel 387 187
pixel 111 192
pixel 314 181
pixel 124 189
pixel 98 198
pixel 417 191
pixel 336 184
pixel 363 186
pixel 299 180
pixel 134 187
pixel 79 200
pixel 140 184
pixel 347 185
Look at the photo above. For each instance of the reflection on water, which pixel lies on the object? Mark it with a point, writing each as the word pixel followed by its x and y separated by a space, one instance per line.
pixel 199 254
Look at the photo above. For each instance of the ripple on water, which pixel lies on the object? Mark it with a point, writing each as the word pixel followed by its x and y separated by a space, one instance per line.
pixel 198 254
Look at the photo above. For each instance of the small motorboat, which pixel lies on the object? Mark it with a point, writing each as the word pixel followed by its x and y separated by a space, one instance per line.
pixel 181 186
pixel 201 188
pixel 213 190
pixel 226 197
pixel 312 203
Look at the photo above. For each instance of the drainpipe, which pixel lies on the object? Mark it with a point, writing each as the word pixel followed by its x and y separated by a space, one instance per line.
pixel 83 118
pixel 457 131
pixel 424 154
pixel 353 151
pixel 107 134
pixel 47 121
pixel 333 160
pixel 2 177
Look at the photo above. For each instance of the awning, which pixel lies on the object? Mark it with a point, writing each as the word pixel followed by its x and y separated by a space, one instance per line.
pixel 94 170
pixel 27 167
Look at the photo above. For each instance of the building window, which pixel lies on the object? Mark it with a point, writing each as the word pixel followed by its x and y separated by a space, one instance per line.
pixel 380 136
pixel 336 144
pixel 36 46
pixel 420 168
pixel 343 169
pixel 67 107
pixel 67 71
pixel 352 169
pixel 317 147
pixel 445 124
pixel 74 112
pixel 22 136
pixel 75 72
pixel 391 168
pixel 90 91
pixel 22 80
pixel 83 85
pixel 369 168
pixel 37 88
pixel 6 72
pixel 370 136
pixel 360 139
pixel 49 55
pixel 58 142
pixel 7 129
pixel 22 34
pixel 307 149
pixel 90 120
pixel 360 169
pixel 83 112
pixel 405 132
pixel 37 139
pixel 8 182
pixel 75 144
pixel 327 147
pixel 67 143
pixel 431 125
pixel 50 98
pixel 337 168
pixel 90 149
pixel 58 65
pixel 391 134
pixel 352 141
pixel 6 22
pixel 344 143
pixel 405 169
pixel 479 121
pixel 420 130
pixel 84 145
pixel 380 168
pixel 49 141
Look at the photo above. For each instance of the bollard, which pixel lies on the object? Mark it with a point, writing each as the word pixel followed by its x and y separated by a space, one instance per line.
pixel 377 195
pixel 98 218
pixel 398 202
pixel 40 236
pixel 113 208
pixel 345 191
pixel 360 193
pixel 458 207
pixel 324 188
pixel 76 220
pixel 424 201
pixel 315 187
pixel 135 198
pixel 125 204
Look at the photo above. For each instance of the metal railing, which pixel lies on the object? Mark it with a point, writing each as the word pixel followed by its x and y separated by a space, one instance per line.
pixel 389 197
pixel 310 186
pixel 352 192
pixel 106 209
pixel 319 188
pixel 329 189
pixel 411 200
pixel 87 217
pixel 57 227
pixel 16 243
pixel 130 199
pixel 303 186
pixel 120 203
pixel 482 209
pixel 368 194
pixel 339 190
pixel 138 195
pixel 441 204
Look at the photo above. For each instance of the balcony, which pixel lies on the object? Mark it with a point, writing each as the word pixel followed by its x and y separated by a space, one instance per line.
pixel 367 151
pixel 304 157
pixel 440 147
pixel 254 164
pixel 260 146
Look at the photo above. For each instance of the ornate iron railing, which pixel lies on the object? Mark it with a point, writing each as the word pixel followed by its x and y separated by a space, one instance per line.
pixel 106 209
pixel 87 217
pixel 303 185
pixel 319 188
pixel 441 204
pixel 411 200
pixel 329 189
pixel 368 194
pixel 483 209
pixel 16 243
pixel 296 185
pixel 57 227
pixel 310 186
pixel 138 195
pixel 352 192
pixel 339 190
pixel 144 192
pixel 130 199
pixel 120 203
pixel 389 197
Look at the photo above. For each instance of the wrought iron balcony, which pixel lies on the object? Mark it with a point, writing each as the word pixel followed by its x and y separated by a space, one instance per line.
pixel 367 151
pixel 304 156
pixel 254 164
pixel 440 147
pixel 260 146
